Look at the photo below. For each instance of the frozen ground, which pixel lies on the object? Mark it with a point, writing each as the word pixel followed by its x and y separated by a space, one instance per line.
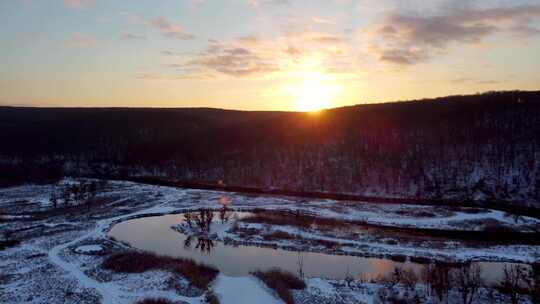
pixel 59 257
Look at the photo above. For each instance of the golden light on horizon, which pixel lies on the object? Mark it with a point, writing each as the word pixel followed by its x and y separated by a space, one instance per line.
pixel 314 92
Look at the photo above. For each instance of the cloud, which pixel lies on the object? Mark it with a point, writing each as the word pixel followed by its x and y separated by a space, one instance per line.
pixel 79 3
pixel 320 20
pixel 325 38
pixel 434 31
pixel 264 56
pixel 169 29
pixel 131 36
pixel 232 61
pixel 79 40
pixel 266 2
pixel 402 56
pixel 475 81
pixel 397 36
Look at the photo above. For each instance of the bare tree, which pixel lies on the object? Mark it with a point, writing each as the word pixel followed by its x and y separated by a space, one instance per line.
pixel 468 280
pixel 409 278
pixel 349 278
pixel 188 217
pixel 54 199
pixel 437 278
pixel 533 282
pixel 66 193
pixel 224 214
pixel 203 219
pixel 512 283
pixel 300 263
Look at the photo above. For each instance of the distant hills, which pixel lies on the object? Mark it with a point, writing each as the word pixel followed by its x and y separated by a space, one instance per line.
pixel 476 147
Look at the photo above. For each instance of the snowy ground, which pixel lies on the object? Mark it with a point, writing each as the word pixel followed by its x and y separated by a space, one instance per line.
pixel 60 252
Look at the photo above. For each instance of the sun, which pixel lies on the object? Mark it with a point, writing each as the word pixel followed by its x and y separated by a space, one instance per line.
pixel 314 93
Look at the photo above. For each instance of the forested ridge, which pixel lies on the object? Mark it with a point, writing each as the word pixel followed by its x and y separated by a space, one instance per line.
pixel 476 147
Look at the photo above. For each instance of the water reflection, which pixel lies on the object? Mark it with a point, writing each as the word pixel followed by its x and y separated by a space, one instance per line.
pixel 155 234
pixel 204 245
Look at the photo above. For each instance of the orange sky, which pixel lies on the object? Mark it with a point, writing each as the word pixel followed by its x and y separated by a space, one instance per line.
pixel 263 54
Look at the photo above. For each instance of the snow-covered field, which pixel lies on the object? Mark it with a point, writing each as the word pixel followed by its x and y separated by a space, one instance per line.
pixel 59 257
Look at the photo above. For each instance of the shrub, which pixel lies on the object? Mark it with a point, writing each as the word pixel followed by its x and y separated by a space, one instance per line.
pixel 8 243
pixel 155 301
pixel 282 282
pixel 407 277
pixel 390 295
pixel 199 275
pixel 279 235
pixel 211 298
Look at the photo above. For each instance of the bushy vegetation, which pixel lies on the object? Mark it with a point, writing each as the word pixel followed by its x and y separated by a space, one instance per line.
pixel 4 244
pixel 211 298
pixel 76 193
pixel 458 283
pixel 29 171
pixel 281 282
pixel 279 235
pixel 199 275
pixel 155 301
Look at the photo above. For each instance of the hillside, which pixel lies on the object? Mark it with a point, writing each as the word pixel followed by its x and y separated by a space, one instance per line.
pixel 478 147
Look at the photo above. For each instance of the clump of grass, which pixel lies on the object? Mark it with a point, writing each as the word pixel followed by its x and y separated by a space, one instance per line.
pixel 282 282
pixel 279 235
pixel 325 243
pixel 199 275
pixel 211 298
pixel 155 301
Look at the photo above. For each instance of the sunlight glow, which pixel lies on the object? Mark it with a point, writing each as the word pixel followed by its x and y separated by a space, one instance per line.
pixel 314 92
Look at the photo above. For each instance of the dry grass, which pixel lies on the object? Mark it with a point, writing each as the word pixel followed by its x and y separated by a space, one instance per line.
pixel 282 282
pixel 279 235
pixel 280 218
pixel 199 275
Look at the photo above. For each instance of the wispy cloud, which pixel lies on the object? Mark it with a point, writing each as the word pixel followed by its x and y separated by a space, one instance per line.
pixel 169 29
pixel 80 40
pixel 131 36
pixel 410 39
pixel 79 3
pixel 265 2
pixel 251 55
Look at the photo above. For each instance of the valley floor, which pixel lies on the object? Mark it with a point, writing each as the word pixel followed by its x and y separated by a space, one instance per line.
pixel 61 250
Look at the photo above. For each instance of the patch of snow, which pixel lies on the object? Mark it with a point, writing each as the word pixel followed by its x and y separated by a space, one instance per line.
pixel 89 248
pixel 243 290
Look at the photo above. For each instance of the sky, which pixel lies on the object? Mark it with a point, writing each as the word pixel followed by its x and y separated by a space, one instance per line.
pixel 291 55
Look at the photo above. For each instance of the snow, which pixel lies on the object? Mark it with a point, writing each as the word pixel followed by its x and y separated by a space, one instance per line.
pixel 54 256
pixel 243 290
pixel 89 248
pixel 83 234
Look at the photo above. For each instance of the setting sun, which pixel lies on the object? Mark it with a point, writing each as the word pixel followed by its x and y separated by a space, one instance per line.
pixel 315 92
